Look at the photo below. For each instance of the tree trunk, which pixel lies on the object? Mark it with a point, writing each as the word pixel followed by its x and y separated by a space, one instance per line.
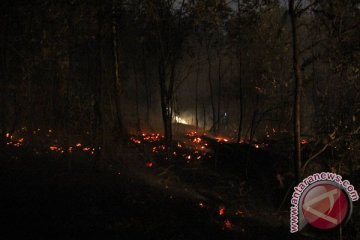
pixel 138 121
pixel 297 90
pixel 219 92
pixel 165 104
pixel 252 128
pixel 67 80
pixel 240 100
pixel 197 92
pixel 4 75
pixel 117 83
pixel 98 106
pixel 213 127
pixel 204 116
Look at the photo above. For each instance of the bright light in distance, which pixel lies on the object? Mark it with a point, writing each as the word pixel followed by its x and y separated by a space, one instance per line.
pixel 180 120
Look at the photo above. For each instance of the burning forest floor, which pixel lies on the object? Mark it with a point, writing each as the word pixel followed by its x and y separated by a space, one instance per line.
pixel 185 192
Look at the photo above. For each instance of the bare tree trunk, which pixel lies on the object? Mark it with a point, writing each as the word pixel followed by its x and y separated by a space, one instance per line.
pixel 98 119
pixel 219 91
pixel 298 87
pixel 4 77
pixel 241 100
pixel 117 83
pixel 138 121
pixel 213 128
pixel 98 130
pixel 252 127
pixel 165 99
pixel 204 116
pixel 67 80
pixel 197 91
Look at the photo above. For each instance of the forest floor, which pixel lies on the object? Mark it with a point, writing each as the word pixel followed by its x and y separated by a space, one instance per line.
pixel 142 199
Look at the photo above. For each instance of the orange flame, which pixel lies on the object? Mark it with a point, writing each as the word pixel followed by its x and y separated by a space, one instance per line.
pixel 221 211
pixel 53 148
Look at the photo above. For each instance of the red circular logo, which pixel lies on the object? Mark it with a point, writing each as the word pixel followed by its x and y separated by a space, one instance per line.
pixel 325 206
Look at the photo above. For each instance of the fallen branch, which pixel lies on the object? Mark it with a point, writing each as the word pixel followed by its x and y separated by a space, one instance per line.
pixel 332 136
pixel 166 170
pixel 314 156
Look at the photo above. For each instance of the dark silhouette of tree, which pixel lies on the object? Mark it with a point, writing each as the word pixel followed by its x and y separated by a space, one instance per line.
pixel 297 91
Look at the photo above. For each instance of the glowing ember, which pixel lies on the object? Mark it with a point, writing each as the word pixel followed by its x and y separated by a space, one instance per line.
pixel 221 139
pixel 188 157
pixel 147 138
pixel 221 211
pixel 54 148
pixel 197 140
pixel 227 224
pixel 18 141
pixel 304 141
pixel 201 205
pixel 149 164
pixel 191 134
pixel 257 146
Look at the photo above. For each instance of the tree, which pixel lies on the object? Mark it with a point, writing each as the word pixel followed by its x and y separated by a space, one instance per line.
pixel 167 31
pixel 297 91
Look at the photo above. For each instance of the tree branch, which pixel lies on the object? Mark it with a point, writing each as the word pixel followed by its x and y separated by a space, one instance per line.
pixel 303 10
